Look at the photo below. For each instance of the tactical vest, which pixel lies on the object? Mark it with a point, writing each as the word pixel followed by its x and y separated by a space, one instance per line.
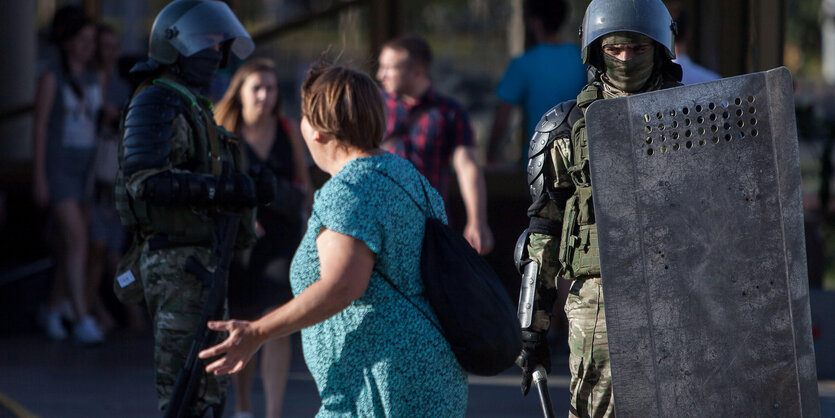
pixel 579 253
pixel 214 147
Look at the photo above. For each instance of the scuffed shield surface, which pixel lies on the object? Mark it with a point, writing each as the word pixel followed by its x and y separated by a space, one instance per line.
pixel 698 205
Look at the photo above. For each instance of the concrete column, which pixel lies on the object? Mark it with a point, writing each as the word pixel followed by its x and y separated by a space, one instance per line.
pixel 767 34
pixel 828 41
pixel 17 75
pixel 516 29
pixel 386 22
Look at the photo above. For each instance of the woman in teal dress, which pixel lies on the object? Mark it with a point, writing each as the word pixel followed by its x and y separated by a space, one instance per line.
pixel 370 351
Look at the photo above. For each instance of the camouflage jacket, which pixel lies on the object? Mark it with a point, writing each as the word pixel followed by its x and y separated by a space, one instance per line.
pixel 563 239
pixel 190 147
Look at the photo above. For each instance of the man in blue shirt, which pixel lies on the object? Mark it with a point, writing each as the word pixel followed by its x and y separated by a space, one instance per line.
pixel 692 73
pixel 549 73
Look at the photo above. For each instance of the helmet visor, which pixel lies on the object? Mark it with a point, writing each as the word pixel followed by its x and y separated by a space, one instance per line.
pixel 208 24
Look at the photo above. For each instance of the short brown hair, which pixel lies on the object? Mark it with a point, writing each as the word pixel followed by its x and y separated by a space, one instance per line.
pixel 416 47
pixel 344 103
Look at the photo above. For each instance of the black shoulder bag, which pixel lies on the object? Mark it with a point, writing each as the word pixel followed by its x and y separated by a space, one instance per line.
pixel 476 315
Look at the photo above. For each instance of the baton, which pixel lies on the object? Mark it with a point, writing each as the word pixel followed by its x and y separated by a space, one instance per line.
pixel 540 380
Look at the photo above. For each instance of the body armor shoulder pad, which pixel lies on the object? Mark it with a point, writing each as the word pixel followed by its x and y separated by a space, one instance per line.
pixel 551 123
pixel 148 128
pixel 536 177
pixel 556 123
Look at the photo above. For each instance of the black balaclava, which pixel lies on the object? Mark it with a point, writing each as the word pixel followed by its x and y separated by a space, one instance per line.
pixel 199 69
pixel 631 75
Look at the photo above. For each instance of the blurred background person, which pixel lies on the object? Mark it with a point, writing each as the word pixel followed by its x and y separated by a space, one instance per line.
pixel 67 103
pixel 692 73
pixel 107 237
pixel 428 129
pixel 259 278
pixel 548 73
pixel 371 352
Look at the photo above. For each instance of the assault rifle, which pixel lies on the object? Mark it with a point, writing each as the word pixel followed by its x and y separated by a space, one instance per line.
pixel 223 244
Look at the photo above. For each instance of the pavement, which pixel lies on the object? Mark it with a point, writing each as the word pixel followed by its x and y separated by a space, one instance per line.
pixel 64 379
pixel 42 378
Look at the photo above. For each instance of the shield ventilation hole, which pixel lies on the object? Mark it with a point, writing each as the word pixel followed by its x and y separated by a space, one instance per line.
pixel 721 111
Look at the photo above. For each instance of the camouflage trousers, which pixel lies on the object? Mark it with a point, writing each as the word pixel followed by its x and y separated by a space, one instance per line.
pixel 175 301
pixel 591 378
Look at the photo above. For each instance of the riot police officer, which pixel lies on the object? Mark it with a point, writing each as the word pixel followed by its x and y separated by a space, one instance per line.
pixel 628 48
pixel 177 169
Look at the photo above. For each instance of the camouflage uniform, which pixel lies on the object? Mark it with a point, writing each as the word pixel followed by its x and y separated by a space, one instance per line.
pixel 573 254
pixel 175 298
pixel 179 173
pixel 562 241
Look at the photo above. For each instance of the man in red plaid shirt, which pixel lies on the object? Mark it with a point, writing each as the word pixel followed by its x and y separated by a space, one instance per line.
pixel 429 129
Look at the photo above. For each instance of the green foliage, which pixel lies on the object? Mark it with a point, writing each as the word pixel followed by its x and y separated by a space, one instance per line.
pixel 803 34
pixel 803 24
pixel 828 231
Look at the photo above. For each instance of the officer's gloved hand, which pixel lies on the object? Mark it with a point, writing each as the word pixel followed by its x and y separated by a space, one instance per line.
pixel 236 189
pixel 265 184
pixel 534 353
pixel 289 199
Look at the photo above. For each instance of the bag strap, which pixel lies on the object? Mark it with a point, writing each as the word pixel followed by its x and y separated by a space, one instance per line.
pixel 380 272
pixel 408 299
pixel 423 186
pixel 386 278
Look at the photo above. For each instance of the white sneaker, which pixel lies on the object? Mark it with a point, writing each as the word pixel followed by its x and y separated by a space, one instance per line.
pixel 53 326
pixel 87 331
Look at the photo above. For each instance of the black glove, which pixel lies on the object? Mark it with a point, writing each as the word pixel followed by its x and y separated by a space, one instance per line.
pixel 265 184
pixel 289 200
pixel 534 353
pixel 195 189
pixel 236 190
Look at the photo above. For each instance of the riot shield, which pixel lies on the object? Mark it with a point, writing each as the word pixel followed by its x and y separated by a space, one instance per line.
pixel 697 201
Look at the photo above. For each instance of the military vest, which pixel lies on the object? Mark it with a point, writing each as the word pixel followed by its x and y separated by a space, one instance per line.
pixel 579 254
pixel 214 148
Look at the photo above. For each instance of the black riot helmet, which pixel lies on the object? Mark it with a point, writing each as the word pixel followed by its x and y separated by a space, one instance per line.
pixel 647 17
pixel 185 27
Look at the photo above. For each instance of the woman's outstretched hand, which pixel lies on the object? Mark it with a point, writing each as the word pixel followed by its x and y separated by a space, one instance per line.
pixel 243 341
